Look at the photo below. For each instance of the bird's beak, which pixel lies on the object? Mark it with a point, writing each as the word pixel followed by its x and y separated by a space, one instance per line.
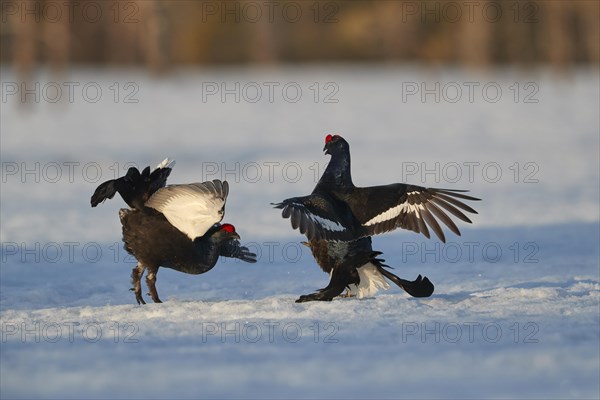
pixel 325 149
pixel 235 236
pixel 306 244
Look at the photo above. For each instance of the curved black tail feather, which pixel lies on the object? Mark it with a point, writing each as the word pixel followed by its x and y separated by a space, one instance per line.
pixel 420 287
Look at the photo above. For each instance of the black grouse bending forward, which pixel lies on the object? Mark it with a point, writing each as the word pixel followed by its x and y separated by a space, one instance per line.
pixel 176 226
pixel 337 211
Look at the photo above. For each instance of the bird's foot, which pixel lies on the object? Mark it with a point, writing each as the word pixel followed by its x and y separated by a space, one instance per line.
pixel 312 297
pixel 154 297
pixel 138 296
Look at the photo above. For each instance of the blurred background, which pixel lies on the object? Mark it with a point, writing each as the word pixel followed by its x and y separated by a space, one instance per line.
pixel 246 90
pixel 160 35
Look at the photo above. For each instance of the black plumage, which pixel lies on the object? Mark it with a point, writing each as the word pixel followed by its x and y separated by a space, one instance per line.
pixel 135 188
pixel 155 241
pixel 343 261
pixel 338 219
pixel 376 209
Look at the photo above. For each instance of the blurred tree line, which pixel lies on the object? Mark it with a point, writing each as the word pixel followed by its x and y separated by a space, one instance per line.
pixel 161 34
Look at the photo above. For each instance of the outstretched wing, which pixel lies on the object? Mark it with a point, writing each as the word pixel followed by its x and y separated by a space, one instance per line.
pixel 192 208
pixel 384 208
pixel 319 217
pixel 233 249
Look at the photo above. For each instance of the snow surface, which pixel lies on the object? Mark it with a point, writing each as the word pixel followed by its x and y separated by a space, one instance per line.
pixel 516 310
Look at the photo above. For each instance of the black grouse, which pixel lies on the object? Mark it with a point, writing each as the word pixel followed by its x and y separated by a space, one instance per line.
pixel 337 210
pixel 175 226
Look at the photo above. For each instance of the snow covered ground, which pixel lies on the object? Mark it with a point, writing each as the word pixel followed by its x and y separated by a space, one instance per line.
pixel 516 310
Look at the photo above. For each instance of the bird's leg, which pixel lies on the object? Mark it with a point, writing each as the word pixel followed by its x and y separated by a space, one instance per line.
pixel 317 296
pixel 136 276
pixel 150 281
pixel 326 294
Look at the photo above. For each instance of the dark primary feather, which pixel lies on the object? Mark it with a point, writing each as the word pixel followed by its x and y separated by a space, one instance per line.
pixel 314 213
pixel 370 205
pixel 320 217
pixel 233 249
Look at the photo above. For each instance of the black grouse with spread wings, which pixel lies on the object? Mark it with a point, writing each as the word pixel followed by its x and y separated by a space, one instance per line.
pixel 338 219
pixel 376 209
